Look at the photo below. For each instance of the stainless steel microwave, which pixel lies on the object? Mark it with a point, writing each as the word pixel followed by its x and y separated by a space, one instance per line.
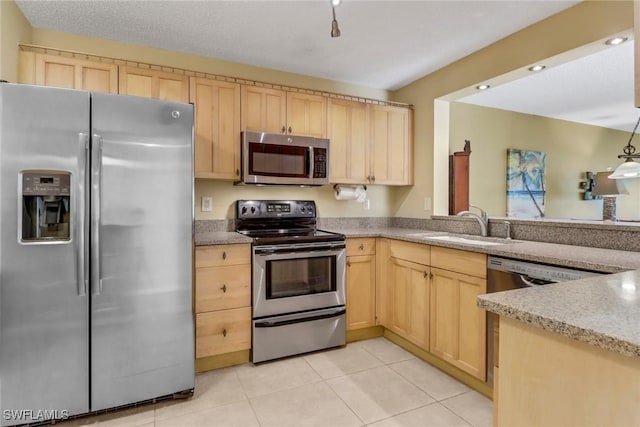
pixel 270 158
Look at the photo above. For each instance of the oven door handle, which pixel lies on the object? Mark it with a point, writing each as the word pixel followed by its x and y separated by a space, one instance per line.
pixel 326 251
pixel 275 323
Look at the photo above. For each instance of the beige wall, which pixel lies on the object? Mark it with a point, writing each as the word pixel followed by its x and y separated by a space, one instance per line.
pixel 571 149
pixel 14 29
pixel 225 193
pixel 580 25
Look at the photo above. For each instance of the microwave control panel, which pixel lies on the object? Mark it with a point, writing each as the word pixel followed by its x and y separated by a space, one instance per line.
pixel 319 163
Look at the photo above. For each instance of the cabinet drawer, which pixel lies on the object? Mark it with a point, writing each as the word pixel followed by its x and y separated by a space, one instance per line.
pixel 220 255
pixel 414 252
pixel 219 288
pixel 465 262
pixel 223 331
pixel 361 246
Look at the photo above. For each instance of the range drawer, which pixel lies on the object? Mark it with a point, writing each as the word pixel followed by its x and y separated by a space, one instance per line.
pixel 361 246
pixel 223 331
pixel 220 288
pixel 221 255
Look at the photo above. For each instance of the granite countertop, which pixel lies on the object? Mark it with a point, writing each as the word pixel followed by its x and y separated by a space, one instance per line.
pixel 603 311
pixel 220 238
pixel 584 258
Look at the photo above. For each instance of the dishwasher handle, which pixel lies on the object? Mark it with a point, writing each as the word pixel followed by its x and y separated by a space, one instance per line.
pixel 531 282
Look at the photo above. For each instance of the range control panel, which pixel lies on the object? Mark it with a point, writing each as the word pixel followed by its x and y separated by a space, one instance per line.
pixel 250 209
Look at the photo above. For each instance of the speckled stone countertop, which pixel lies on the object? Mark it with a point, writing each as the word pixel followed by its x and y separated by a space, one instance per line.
pixel 594 259
pixel 220 238
pixel 602 311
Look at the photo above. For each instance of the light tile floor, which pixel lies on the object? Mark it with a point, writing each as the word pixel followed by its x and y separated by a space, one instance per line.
pixel 367 383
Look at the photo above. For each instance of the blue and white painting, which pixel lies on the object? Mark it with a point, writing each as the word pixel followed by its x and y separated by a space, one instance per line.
pixel 525 183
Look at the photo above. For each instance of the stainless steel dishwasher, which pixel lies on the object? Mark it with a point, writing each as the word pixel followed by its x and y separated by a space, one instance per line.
pixel 504 274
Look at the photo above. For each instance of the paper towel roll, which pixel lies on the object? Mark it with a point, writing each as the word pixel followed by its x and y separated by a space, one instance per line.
pixel 357 193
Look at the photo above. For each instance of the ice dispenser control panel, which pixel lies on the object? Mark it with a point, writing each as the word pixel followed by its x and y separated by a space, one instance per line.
pixel 45 210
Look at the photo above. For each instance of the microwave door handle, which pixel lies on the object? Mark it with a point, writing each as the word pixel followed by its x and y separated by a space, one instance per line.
pixel 311 162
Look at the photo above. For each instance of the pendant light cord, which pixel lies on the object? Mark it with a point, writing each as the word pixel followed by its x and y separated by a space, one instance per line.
pixel 630 149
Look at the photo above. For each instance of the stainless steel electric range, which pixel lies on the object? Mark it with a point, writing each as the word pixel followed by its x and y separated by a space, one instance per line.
pixel 298 278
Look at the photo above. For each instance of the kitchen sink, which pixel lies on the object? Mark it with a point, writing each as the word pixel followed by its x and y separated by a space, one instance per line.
pixel 464 240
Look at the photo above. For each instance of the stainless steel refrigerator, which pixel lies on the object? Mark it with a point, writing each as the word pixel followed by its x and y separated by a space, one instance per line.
pixel 96 228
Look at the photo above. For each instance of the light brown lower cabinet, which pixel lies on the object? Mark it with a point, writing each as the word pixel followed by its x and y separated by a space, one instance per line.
pixel 458 326
pixel 223 331
pixel 223 300
pixel 361 283
pixel 409 301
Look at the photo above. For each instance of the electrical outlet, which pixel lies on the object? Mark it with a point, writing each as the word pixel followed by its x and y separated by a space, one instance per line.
pixel 367 204
pixel 427 203
pixel 207 204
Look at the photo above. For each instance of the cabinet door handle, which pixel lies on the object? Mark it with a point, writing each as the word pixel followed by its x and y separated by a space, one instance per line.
pixel 348 263
pixel 237 172
pixel 290 130
pixel 373 179
pixel 283 130
pixel 224 255
pixel 362 246
pixel 224 332
pixel 224 288
pixel 424 274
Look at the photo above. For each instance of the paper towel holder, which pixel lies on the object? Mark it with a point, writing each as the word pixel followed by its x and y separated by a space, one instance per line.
pixel 335 186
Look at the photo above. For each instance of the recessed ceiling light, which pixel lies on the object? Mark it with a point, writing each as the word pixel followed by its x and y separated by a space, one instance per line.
pixel 483 87
pixel 335 3
pixel 616 41
pixel 538 67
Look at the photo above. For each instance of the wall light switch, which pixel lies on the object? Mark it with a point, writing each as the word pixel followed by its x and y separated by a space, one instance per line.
pixel 207 204
pixel 427 203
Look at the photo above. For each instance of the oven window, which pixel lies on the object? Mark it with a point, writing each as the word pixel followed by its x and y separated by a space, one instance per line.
pixel 300 276
pixel 278 160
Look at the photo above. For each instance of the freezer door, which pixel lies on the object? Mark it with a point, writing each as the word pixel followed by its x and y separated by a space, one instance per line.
pixel 44 337
pixel 142 336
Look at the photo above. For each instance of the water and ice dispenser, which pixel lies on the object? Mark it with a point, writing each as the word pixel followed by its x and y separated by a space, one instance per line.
pixel 45 206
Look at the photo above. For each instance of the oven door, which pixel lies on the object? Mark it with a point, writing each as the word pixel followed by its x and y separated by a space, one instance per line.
pixel 290 278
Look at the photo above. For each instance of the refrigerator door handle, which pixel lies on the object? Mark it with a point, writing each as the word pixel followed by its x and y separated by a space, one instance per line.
pixel 82 245
pixel 96 184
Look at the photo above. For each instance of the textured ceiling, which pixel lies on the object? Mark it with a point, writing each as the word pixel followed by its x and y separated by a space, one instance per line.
pixel 384 44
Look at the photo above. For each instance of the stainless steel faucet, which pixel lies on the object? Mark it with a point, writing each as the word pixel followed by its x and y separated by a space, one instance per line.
pixel 482 219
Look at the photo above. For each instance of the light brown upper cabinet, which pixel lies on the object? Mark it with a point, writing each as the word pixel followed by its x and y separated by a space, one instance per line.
pixel 392 145
pixel 153 84
pixel 306 114
pixel 348 131
pixel 70 73
pixel 217 128
pixel 278 111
